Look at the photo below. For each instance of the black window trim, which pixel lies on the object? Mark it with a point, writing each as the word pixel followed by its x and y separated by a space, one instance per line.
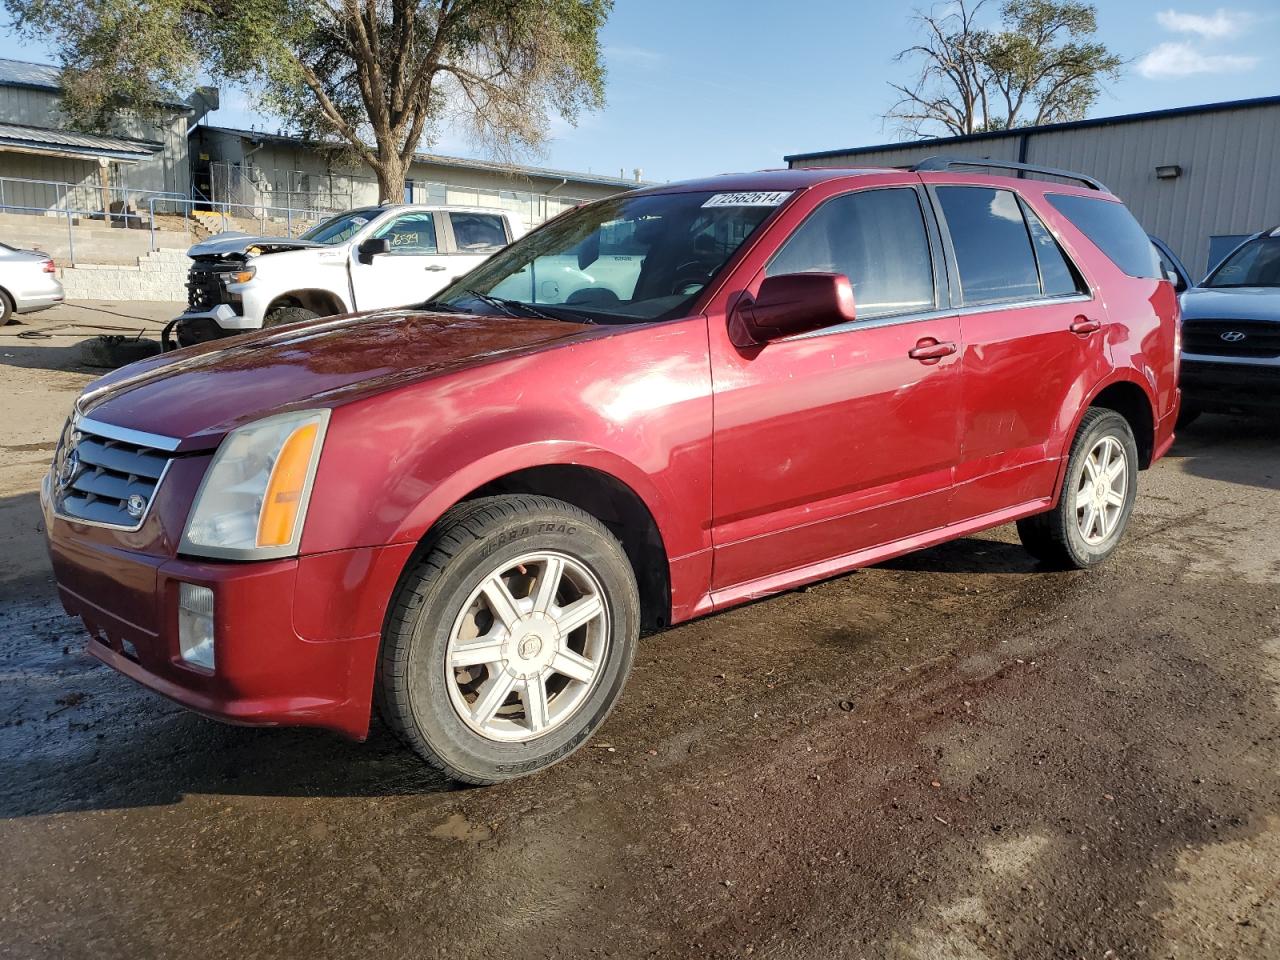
pixel 953 268
pixel 936 265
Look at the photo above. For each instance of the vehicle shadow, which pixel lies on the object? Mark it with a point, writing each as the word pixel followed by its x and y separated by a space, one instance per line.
pixel 1230 449
pixel 968 555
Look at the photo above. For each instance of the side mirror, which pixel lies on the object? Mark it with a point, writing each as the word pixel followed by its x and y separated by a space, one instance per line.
pixel 1173 276
pixel 789 304
pixel 371 248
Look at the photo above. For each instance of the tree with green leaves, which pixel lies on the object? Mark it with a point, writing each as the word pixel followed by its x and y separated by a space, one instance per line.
pixel 378 78
pixel 1040 64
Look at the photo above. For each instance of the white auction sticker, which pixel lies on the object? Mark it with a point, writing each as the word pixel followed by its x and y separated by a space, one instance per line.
pixel 751 198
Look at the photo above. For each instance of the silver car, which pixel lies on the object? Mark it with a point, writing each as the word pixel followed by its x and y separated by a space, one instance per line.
pixel 28 282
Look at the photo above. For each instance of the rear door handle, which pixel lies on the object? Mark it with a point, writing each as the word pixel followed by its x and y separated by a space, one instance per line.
pixel 433 267
pixel 930 350
pixel 1085 326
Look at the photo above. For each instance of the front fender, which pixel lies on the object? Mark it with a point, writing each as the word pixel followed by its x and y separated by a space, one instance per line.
pixel 635 406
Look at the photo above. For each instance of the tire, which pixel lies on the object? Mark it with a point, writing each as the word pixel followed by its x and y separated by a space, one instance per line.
pixel 1057 538
pixel 282 315
pixel 442 615
pixel 6 308
pixel 1188 415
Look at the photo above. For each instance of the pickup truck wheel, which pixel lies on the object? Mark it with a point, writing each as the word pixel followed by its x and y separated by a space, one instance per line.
pixel 282 315
pixel 510 640
pixel 1097 496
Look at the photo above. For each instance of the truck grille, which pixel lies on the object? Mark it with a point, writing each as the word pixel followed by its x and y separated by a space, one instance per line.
pixel 205 289
pixel 1231 338
pixel 104 480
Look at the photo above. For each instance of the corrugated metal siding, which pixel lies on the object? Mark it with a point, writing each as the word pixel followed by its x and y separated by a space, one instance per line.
pixel 168 171
pixel 1228 158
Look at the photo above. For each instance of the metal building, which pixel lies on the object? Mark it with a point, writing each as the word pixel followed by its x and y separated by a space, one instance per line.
pixel 1202 177
pixel 272 170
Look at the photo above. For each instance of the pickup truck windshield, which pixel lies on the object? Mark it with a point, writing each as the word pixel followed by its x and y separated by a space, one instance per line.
pixel 339 228
pixel 1256 264
pixel 627 259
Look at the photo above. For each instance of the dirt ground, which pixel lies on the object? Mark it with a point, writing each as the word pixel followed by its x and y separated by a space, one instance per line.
pixel 953 756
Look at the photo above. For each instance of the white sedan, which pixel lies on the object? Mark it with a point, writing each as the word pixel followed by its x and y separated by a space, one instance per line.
pixel 28 282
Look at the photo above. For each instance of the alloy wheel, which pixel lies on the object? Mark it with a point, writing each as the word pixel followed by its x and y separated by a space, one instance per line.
pixel 528 647
pixel 1100 496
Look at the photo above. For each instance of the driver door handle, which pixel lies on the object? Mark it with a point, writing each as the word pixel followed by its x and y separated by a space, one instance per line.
pixel 433 267
pixel 930 350
pixel 1083 325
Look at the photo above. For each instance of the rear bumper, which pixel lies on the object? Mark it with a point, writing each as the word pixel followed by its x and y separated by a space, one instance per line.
pixel 295 640
pixel 1224 386
pixel 40 296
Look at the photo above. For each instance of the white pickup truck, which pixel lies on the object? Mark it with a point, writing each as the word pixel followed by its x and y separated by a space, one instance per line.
pixel 364 259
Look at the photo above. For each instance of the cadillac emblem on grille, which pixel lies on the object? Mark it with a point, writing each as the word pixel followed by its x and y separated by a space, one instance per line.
pixel 69 470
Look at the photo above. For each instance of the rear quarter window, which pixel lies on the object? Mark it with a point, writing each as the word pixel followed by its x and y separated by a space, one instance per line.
pixel 1113 230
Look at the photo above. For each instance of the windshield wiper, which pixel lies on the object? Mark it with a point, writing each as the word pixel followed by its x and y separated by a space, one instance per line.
pixel 439 305
pixel 518 308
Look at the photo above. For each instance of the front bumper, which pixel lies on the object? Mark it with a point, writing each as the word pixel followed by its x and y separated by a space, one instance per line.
pixel 296 640
pixel 1225 385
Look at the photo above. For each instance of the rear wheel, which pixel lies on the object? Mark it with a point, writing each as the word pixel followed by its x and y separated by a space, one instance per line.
pixel 1097 496
pixel 6 309
pixel 510 641
pixel 1187 415
pixel 282 315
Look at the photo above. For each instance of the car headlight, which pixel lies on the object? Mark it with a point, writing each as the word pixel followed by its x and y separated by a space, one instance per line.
pixel 253 500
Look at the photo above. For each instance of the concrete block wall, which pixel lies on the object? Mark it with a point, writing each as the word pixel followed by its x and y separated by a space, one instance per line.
pixel 159 275
pixel 95 241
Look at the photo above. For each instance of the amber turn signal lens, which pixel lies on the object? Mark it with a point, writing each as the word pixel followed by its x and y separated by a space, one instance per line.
pixel 242 276
pixel 280 506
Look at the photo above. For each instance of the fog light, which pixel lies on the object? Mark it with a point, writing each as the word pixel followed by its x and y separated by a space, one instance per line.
pixel 195 624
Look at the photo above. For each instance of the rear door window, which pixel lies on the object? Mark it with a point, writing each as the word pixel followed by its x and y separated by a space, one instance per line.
pixel 1113 230
pixel 991 243
pixel 478 232
pixel 1058 276
pixel 877 239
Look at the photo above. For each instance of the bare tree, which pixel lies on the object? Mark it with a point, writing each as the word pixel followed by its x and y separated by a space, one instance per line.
pixel 1040 65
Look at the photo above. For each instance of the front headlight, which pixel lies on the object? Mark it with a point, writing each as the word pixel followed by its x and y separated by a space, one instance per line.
pixel 253 501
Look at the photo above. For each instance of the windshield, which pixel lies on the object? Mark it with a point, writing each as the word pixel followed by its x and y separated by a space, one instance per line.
pixel 339 228
pixel 1256 264
pixel 627 259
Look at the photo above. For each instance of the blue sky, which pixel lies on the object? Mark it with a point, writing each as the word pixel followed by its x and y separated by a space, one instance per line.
pixel 707 86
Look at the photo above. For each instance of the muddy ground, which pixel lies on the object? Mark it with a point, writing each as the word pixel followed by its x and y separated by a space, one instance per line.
pixel 956 755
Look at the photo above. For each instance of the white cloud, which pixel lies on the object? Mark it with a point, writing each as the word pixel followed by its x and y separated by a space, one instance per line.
pixel 1183 60
pixel 1221 23
pixel 634 56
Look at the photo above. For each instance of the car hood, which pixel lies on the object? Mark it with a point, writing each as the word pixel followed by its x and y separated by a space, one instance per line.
pixel 1231 303
pixel 196 395
pixel 241 245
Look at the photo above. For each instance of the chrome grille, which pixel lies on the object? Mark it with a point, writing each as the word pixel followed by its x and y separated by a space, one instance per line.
pixel 107 475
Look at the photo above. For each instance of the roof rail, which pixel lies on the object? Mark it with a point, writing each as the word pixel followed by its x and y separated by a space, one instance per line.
pixel 947 163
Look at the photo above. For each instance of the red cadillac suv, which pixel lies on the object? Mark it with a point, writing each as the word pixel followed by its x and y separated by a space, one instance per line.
pixel 653 407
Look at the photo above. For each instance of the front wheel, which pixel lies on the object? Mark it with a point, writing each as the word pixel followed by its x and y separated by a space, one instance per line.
pixel 510 640
pixel 1097 496
pixel 282 315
